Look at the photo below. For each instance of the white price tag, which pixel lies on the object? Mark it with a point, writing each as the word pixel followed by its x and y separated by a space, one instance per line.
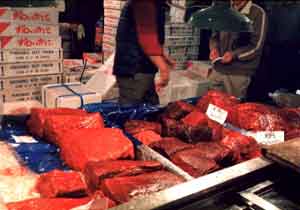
pixel 24 139
pixel 216 113
pixel 298 92
pixel 268 137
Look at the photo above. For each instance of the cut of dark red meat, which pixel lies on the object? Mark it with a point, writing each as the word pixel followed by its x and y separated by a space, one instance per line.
pixel 196 127
pixel 221 100
pixel 214 151
pixel 195 118
pixel 48 204
pixel 91 144
pixel 259 117
pixel 291 117
pixel 169 146
pixel 122 189
pixel 242 147
pixel 38 116
pixel 57 125
pixel 61 184
pixel 178 110
pixel 136 126
pixel 148 137
pixel 292 133
pixel 191 162
pixel 95 172
pixel 216 129
pixel 172 128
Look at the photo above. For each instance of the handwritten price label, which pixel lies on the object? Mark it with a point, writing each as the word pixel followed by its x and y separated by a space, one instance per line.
pixel 24 139
pixel 216 113
pixel 268 137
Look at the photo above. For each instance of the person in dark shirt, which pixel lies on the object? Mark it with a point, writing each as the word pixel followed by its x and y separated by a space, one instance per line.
pixel 139 52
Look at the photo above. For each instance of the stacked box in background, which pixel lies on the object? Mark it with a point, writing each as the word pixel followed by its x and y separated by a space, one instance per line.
pixel 112 12
pixel 73 70
pixel 30 52
pixel 182 43
pixel 181 39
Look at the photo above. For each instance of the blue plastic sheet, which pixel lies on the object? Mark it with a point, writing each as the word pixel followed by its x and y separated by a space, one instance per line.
pixel 43 157
pixel 39 157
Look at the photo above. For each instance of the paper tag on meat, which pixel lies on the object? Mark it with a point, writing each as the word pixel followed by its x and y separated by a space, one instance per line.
pixel 216 113
pixel 24 139
pixel 268 137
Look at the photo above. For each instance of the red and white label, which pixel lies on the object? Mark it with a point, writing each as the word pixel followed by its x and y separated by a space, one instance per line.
pixel 16 29
pixel 16 42
pixel 42 15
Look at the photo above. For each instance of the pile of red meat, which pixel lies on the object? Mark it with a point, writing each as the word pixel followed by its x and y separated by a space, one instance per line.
pixel 102 159
pixel 80 136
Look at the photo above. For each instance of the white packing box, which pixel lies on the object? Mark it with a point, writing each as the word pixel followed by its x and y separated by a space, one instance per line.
pixel 109 39
pixel 110 21
pixel 30 69
pixel 37 15
pixel 77 65
pixel 20 29
pixel 75 76
pixel 113 4
pixel 21 95
pixel 70 95
pixel 19 107
pixel 29 42
pixel 30 55
pixel 110 30
pixel 114 13
pixel 29 82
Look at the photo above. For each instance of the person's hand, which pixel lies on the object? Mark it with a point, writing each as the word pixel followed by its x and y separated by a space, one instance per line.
pixel 214 53
pixel 163 81
pixel 227 57
pixel 171 62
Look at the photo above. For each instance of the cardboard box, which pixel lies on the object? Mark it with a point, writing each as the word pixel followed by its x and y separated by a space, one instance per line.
pixel 76 66
pixel 71 95
pixel 110 21
pixel 37 15
pixel 29 42
pixel 30 55
pixel 29 82
pixel 113 4
pixel 189 40
pixel 20 29
pixel 30 69
pixel 110 30
pixel 75 76
pixel 19 107
pixel 114 13
pixel 21 95
pixel 109 39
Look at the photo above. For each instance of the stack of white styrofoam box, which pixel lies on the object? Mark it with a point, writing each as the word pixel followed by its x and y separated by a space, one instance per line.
pixel 30 52
pixel 182 43
pixel 73 69
pixel 69 95
pixel 112 12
